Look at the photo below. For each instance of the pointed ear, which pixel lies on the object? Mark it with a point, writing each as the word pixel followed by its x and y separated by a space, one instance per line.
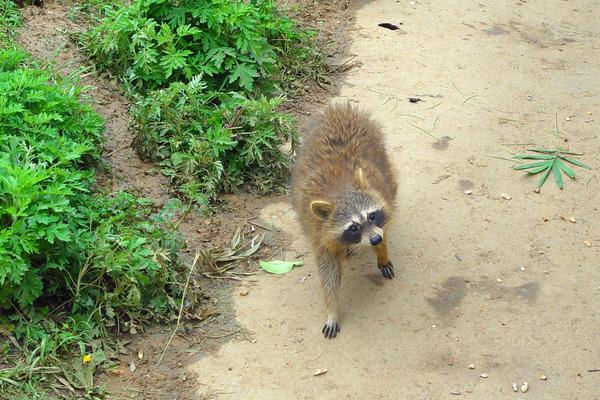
pixel 321 209
pixel 359 175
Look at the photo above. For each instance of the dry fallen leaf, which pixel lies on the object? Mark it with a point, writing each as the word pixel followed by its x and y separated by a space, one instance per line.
pixel 320 371
pixel 65 383
pixel 116 371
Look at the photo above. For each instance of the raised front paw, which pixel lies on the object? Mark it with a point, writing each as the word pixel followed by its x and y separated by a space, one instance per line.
pixel 387 270
pixel 331 329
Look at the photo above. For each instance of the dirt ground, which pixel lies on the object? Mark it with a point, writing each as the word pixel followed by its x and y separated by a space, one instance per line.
pixel 509 286
pixel 47 33
pixel 490 74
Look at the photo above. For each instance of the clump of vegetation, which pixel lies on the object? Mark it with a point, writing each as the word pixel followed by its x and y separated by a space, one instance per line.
pixel 204 76
pixel 208 142
pixel 72 263
pixel 10 19
pixel 235 45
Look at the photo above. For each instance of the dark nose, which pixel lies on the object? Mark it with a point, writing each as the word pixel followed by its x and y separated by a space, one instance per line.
pixel 375 240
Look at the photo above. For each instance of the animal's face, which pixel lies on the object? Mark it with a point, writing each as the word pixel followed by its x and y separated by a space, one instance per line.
pixel 356 218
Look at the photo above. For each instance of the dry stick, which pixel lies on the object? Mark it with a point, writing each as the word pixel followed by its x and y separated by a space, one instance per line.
pixel 113 151
pixel 187 282
pixel 469 98
pixel 434 106
pixel 425 131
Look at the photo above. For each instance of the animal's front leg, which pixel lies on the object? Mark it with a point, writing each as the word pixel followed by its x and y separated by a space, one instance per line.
pixel 383 260
pixel 330 272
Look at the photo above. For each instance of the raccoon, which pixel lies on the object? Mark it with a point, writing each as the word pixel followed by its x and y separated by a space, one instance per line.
pixel 343 189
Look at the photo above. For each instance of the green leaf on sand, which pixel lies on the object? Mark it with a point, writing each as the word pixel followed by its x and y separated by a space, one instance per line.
pixel 279 266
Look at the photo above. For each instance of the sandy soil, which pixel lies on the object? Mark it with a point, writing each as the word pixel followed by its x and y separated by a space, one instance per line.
pixel 46 34
pixel 490 74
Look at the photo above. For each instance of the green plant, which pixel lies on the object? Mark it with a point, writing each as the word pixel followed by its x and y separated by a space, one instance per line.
pixel 554 161
pixel 73 263
pixel 10 19
pixel 547 161
pixel 232 44
pixel 207 141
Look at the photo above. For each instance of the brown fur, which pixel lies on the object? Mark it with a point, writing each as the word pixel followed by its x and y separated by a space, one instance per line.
pixel 344 150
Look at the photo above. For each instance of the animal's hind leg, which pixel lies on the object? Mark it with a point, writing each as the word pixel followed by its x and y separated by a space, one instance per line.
pixel 383 260
pixel 330 272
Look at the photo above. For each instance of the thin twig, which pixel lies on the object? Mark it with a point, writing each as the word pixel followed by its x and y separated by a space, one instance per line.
pixel 425 131
pixel 468 98
pixel 259 225
pixel 457 89
pixel 113 151
pixel 183 215
pixel 187 282
pixel 587 182
pixel 434 106
pixel 503 158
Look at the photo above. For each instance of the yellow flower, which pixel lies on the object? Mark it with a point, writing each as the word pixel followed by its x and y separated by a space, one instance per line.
pixel 86 358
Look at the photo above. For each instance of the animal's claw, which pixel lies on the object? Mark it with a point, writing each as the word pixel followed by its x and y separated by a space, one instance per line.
pixel 330 330
pixel 387 270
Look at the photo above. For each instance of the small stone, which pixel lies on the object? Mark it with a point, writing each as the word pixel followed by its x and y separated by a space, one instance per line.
pixel 484 375
pixel 467 192
pixel 515 387
pixel 543 377
pixel 456 392
pixel 540 252
pixel 132 366
pixel 524 387
pixel 320 371
pixel 140 355
pixel 244 292
pixel 545 219
pixel 536 190
pixel 522 268
pixel 471 366
pixel 587 243
pixel 568 118
pixel 505 196
pixel 499 280
pixel 572 220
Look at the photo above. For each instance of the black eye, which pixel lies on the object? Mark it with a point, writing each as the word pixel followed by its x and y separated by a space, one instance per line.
pixel 372 216
pixel 353 228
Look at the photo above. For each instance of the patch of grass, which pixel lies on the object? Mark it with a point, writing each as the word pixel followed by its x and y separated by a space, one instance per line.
pixel 234 45
pixel 73 263
pixel 10 20
pixel 206 79
pixel 208 142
